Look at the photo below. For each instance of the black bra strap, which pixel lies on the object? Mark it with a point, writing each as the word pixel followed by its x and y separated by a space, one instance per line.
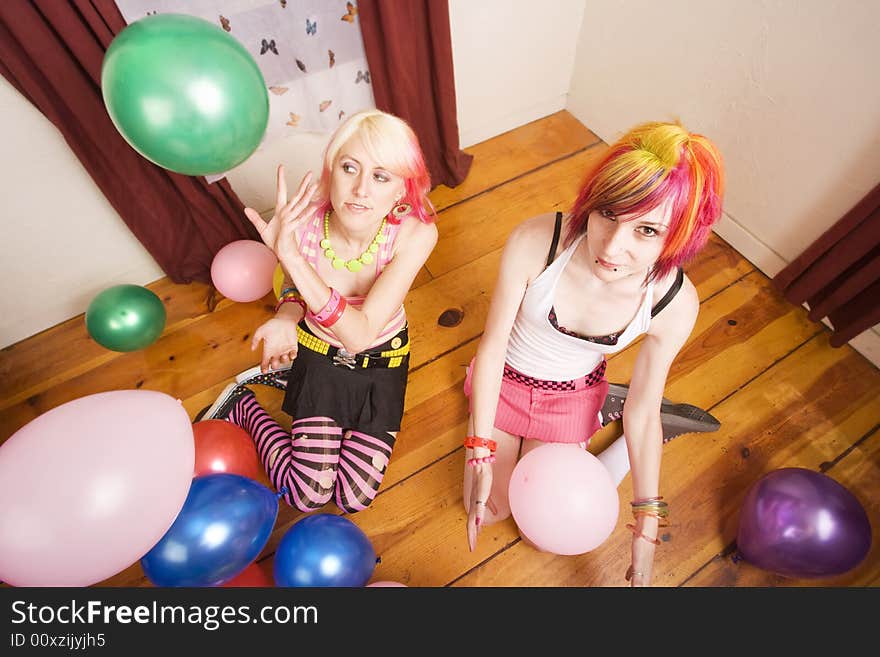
pixel 555 242
pixel 670 294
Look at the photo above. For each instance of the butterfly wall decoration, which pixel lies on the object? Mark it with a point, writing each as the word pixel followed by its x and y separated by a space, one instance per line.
pixel 362 75
pixel 267 46
pixel 352 12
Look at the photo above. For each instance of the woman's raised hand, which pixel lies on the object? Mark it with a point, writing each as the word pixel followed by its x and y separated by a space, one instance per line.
pixel 277 233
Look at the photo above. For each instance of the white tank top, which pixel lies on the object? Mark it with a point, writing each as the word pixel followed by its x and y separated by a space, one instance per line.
pixel 541 351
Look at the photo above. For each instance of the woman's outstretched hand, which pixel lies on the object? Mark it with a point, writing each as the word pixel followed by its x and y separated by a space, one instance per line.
pixel 639 572
pixel 278 232
pixel 481 490
pixel 279 343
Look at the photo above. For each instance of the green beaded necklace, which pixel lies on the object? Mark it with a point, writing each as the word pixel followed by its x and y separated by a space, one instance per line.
pixel 355 264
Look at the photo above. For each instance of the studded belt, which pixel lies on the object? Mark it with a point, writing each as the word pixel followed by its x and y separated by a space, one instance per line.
pixel 389 358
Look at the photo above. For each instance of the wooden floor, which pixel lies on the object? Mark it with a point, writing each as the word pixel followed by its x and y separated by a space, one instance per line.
pixel 784 397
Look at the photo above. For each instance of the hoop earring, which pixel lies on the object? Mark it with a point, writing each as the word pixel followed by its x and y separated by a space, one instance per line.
pixel 401 210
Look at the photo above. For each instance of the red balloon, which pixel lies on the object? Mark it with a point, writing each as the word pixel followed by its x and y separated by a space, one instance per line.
pixel 253 575
pixel 224 447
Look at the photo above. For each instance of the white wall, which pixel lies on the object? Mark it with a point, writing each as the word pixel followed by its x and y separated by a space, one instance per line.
pixel 61 241
pixel 512 63
pixel 788 89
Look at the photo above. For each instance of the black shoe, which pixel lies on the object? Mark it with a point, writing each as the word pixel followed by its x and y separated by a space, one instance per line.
pixel 224 403
pixel 676 419
pixel 274 378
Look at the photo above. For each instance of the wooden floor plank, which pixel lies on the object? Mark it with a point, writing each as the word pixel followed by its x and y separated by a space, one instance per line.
pixel 473 229
pixel 858 471
pixel 66 350
pixel 509 155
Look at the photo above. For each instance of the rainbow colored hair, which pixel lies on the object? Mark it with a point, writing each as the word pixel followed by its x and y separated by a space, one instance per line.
pixel 389 140
pixel 657 163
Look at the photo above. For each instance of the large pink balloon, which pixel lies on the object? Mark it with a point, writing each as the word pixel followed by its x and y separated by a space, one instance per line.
pixel 563 499
pixel 89 487
pixel 243 270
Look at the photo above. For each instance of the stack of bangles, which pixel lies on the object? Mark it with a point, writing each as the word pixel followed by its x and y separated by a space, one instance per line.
pixel 332 310
pixel 653 507
pixel 290 295
pixel 476 441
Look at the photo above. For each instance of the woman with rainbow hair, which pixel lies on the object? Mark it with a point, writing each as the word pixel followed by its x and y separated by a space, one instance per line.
pixel 573 288
pixel 338 343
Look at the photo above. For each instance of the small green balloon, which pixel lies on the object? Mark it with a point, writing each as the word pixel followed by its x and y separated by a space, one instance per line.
pixel 185 94
pixel 125 318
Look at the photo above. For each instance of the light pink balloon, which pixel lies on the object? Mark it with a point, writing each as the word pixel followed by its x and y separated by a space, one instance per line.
pixel 89 487
pixel 386 583
pixel 243 270
pixel 563 499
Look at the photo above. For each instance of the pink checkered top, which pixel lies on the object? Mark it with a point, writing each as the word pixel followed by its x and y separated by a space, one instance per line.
pixel 309 244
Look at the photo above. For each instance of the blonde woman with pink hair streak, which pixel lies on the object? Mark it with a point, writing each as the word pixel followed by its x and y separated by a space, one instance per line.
pixel 338 343
pixel 573 288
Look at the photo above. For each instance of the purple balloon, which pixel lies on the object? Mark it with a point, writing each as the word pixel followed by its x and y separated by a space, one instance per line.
pixel 801 523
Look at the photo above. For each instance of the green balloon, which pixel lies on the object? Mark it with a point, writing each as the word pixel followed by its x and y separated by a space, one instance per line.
pixel 185 94
pixel 125 318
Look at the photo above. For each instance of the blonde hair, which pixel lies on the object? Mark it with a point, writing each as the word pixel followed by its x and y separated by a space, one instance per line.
pixel 389 140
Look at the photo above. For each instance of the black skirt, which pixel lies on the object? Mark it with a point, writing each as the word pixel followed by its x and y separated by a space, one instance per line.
pixel 369 400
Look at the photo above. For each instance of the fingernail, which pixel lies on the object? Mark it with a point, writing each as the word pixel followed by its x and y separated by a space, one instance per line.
pixel 478 522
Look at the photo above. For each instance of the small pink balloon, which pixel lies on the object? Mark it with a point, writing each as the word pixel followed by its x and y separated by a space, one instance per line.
pixel 386 583
pixel 242 270
pixel 89 487
pixel 563 499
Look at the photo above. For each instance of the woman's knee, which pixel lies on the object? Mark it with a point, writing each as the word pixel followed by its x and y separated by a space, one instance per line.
pixel 312 497
pixel 350 501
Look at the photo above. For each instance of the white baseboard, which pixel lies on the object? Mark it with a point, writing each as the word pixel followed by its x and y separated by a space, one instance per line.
pixel 771 263
pixel 470 135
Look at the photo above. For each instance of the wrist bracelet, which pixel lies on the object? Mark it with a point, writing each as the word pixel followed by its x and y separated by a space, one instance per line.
pixel 476 441
pixel 291 298
pixel 478 461
pixel 330 307
pixel 638 534
pixel 332 310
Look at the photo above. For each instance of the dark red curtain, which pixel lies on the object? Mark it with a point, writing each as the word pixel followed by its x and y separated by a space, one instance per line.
pixel 409 51
pixel 839 274
pixel 51 51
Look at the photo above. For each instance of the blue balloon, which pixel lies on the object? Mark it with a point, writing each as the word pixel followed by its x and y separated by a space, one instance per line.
pixel 223 526
pixel 324 550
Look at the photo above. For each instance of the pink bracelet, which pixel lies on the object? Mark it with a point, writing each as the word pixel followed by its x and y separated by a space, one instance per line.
pixel 485 459
pixel 330 313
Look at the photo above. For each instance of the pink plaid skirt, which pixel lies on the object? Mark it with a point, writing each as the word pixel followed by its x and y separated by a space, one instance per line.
pixel 550 411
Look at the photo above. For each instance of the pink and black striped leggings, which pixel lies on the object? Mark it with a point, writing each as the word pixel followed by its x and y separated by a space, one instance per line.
pixel 316 459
